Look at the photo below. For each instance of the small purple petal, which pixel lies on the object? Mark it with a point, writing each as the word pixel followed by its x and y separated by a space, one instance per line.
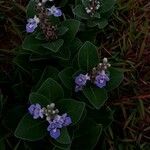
pixel 81 80
pixel 55 133
pixel 57 12
pixel 31 25
pixel 31 109
pixel 101 80
pixel 67 121
pixel 35 111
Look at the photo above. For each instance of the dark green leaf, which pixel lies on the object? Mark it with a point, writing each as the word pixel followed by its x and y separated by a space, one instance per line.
pixel 49 72
pixel 54 46
pixel 96 96
pixel 22 61
pixel 87 136
pixel 12 117
pixel 88 56
pixel 107 5
pixel 116 78
pixel 63 3
pixel 104 116
pixel 62 30
pixel 79 11
pixel 31 9
pixel 40 36
pixel 63 54
pixel 38 98
pixel 66 77
pixel 102 23
pixel 30 129
pixel 64 137
pixel 51 90
pixel 73 27
pixel 2 145
pixel 31 44
pixel 70 106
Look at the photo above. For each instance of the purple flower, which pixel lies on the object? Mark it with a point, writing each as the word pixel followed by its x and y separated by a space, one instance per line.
pixel 81 81
pixel 35 111
pixel 101 79
pixel 57 12
pixel 54 11
pixel 58 123
pixel 32 24
pixel 67 121
pixel 55 133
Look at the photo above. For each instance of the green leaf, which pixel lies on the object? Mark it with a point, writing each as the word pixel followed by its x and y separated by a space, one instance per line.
pixel 54 46
pixel 66 77
pixel 75 45
pixel 116 78
pixel 31 44
pixel 30 129
pixel 40 36
pixel 70 107
pixel 102 23
pixel 62 30
pixel 64 137
pixel 2 145
pixel 87 136
pixel 85 2
pixel 63 3
pixel 107 5
pixel 96 96
pixel 49 72
pixel 84 35
pixel 88 56
pixel 2 102
pixel 51 90
pixel 63 53
pixel 31 9
pixel 104 116
pixel 12 117
pixel 38 98
pixel 73 27
pixel 22 61
pixel 79 11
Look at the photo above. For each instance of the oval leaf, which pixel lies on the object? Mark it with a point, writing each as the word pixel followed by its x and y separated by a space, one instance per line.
pixel 79 11
pixel 73 27
pixel 51 90
pixel 66 77
pixel 116 78
pixel 107 5
pixel 31 129
pixel 31 9
pixel 38 98
pixel 70 107
pixel 96 96
pixel 64 137
pixel 87 56
pixel 87 136
pixel 53 46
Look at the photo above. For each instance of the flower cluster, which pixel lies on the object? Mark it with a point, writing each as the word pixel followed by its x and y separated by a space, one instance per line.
pixel 43 13
pixel 94 5
pixel 56 122
pixel 98 76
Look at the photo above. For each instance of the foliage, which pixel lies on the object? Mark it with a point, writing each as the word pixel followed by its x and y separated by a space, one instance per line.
pixel 50 68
